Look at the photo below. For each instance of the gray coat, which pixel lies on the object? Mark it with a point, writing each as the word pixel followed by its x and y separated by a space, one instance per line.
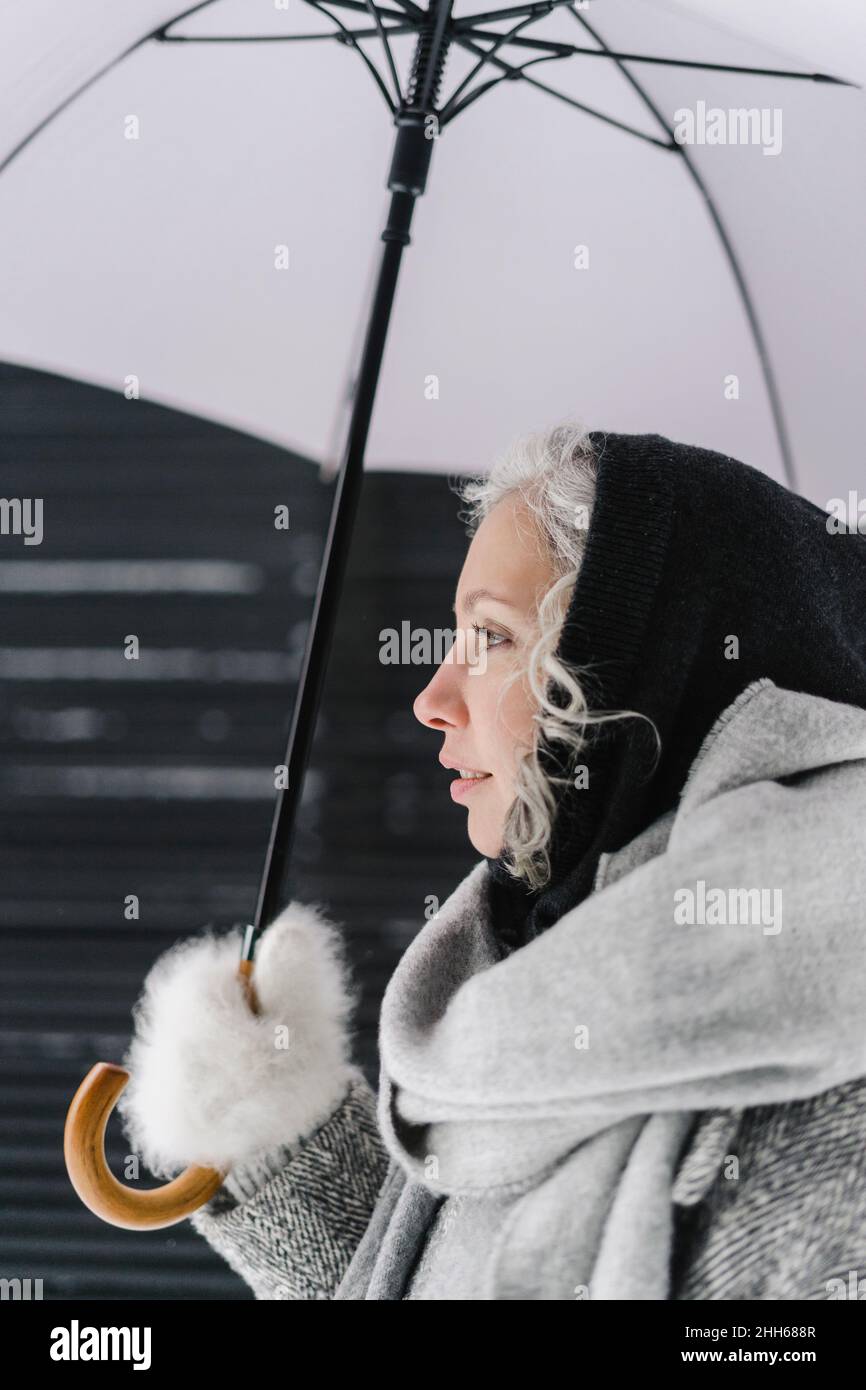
pixel 336 1216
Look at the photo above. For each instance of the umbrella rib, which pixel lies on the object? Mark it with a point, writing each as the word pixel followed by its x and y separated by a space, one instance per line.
pixel 161 35
pixel 334 36
pixel 562 50
pixel 494 82
pixel 357 5
pixel 468 25
pixel 374 13
pixel 501 39
pixel 344 35
pixel 745 294
pixel 411 9
pixel 94 77
pixel 537 10
pixel 73 96
pixel 513 72
pixel 349 39
pixel 361 6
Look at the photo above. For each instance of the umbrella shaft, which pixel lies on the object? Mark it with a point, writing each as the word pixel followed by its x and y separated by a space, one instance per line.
pixel 417 128
pixel 343 513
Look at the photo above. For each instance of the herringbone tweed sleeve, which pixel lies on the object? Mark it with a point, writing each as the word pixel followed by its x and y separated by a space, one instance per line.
pixel 773 1206
pixel 290 1227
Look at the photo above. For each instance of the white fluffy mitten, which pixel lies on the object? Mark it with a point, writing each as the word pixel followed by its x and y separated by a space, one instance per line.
pixel 212 1083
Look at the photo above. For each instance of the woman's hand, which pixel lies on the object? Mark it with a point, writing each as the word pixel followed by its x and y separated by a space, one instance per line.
pixel 215 1084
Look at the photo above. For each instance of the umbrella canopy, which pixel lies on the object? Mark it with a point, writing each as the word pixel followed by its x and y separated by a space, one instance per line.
pixel 203 217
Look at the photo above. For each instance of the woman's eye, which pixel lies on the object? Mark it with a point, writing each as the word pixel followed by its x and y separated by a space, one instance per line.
pixel 486 635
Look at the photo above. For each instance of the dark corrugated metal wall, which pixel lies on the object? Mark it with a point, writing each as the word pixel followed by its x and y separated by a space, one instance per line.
pixel 154 777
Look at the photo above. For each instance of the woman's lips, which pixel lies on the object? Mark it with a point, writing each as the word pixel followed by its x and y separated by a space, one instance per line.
pixel 462 787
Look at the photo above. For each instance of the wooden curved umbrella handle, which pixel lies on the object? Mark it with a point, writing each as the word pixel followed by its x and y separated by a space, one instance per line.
pixel 90 1175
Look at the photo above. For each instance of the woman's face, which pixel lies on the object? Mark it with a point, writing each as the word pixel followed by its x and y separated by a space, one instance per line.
pixel 484 733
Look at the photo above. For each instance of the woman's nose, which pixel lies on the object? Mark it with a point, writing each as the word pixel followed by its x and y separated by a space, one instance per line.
pixel 440 704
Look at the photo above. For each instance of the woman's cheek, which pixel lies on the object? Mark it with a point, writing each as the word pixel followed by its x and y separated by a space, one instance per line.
pixel 517 719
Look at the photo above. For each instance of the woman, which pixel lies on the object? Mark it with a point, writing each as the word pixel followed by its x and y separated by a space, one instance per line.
pixel 627 1057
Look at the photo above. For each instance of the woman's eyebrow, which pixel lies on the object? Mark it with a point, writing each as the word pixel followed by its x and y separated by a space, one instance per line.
pixel 474 595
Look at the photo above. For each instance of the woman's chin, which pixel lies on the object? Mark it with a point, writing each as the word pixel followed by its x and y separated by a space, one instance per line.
pixel 484 839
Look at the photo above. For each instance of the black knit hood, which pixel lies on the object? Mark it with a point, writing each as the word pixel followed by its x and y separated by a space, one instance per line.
pixel 690 555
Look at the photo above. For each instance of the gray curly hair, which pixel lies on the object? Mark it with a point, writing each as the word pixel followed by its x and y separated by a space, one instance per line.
pixel 554 473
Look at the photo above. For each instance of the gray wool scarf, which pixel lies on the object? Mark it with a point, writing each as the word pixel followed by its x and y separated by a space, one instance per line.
pixel 569 1074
